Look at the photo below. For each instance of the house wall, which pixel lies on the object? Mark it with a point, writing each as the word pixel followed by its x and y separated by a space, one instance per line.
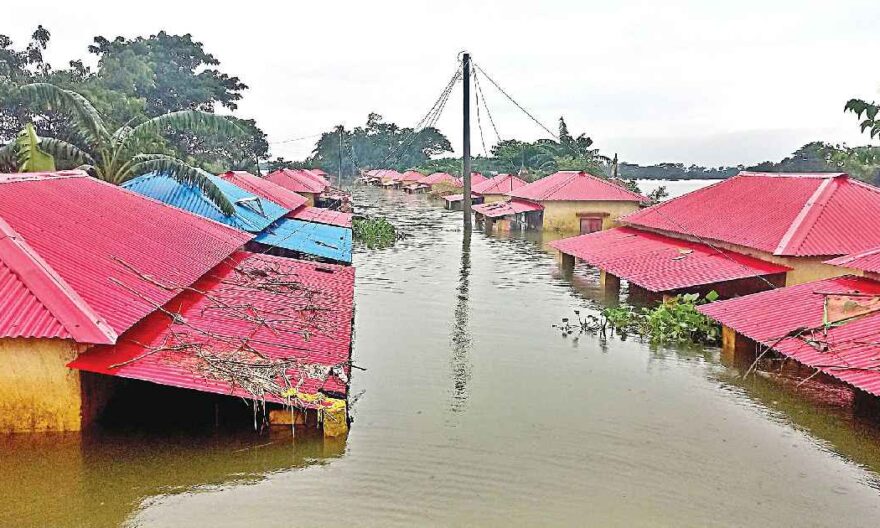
pixel 563 215
pixel 310 198
pixel 492 198
pixel 37 390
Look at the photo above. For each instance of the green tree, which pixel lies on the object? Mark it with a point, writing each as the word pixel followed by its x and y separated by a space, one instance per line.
pixel 869 110
pixel 118 155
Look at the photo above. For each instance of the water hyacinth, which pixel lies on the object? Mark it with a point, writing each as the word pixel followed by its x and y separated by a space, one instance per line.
pixel 375 233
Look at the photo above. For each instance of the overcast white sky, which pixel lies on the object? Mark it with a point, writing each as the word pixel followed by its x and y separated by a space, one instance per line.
pixel 703 82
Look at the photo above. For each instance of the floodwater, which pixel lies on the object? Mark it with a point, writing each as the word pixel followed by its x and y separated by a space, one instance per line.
pixel 474 411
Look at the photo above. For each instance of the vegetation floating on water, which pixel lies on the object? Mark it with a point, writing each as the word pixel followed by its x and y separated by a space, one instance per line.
pixel 375 233
pixel 675 320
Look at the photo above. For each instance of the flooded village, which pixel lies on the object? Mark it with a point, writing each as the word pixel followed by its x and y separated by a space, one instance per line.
pixel 470 321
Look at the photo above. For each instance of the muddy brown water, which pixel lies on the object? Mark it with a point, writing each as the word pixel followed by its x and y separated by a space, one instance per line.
pixel 475 411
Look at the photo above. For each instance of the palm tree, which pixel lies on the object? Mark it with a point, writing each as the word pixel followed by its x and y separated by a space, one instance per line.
pixel 123 154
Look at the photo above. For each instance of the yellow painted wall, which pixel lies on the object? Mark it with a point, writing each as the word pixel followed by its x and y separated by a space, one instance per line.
pixel 563 215
pixel 804 269
pixel 310 198
pixel 37 390
pixel 492 198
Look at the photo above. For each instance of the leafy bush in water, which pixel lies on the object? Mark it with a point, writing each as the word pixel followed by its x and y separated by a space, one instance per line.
pixel 374 232
pixel 675 320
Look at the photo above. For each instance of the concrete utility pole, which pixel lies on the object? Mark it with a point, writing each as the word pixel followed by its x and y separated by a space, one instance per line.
pixel 466 137
pixel 339 177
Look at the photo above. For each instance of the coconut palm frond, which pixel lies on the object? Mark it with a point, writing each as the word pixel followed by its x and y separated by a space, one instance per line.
pixel 182 172
pixel 86 120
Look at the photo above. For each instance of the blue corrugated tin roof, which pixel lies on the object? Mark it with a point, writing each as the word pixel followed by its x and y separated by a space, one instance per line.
pixel 252 213
pixel 321 240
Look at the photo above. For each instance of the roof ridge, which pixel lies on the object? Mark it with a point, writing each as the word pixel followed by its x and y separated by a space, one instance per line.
pixel 73 313
pixel 805 220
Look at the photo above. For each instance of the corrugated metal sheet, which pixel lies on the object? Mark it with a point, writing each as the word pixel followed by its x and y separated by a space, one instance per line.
pixel 853 353
pixel 252 213
pixel 509 207
pixel 501 184
pixel 575 186
pixel 316 174
pixel 296 181
pixel 411 176
pixel 320 215
pixel 320 240
pixel 458 197
pixel 97 242
pixel 438 177
pixel 865 261
pixel 784 214
pixel 311 324
pixel 659 263
pixel 265 189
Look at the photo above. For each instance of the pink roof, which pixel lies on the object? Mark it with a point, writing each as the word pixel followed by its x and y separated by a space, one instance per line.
pixel 297 181
pixel 411 176
pixel 773 317
pixel 865 261
pixel 265 189
pixel 477 178
pixel 316 174
pixel 576 186
pixel 320 215
pixel 501 184
pixel 660 263
pixel 438 177
pixel 307 306
pixel 783 214
pixel 508 207
pixel 85 260
pixel 458 197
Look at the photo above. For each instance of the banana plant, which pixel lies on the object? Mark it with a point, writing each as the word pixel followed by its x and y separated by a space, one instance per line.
pixel 24 153
pixel 119 155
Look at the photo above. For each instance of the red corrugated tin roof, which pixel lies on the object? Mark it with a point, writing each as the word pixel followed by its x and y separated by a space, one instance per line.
pixel 411 176
pixel 477 178
pixel 575 186
pixel 318 175
pixel 94 255
pixel 853 352
pixel 296 181
pixel 501 184
pixel 458 197
pixel 308 306
pixel 505 208
pixel 783 214
pixel 660 263
pixel 265 189
pixel 320 215
pixel 865 261
pixel 438 177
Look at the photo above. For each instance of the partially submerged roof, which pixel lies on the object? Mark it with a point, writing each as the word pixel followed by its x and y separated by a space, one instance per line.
pixel 309 238
pixel 660 263
pixel 411 176
pixel 783 214
pixel 438 177
pixel 506 208
pixel 791 321
pixel 576 186
pixel 85 260
pixel 868 260
pixel 501 184
pixel 297 181
pixel 249 310
pixel 265 189
pixel 252 213
pixel 458 197
pixel 321 215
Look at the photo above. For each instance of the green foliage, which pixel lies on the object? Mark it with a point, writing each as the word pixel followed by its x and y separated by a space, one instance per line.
pixel 124 154
pixel 375 233
pixel 376 145
pixel 859 162
pixel 674 321
pixel 31 158
pixel 870 123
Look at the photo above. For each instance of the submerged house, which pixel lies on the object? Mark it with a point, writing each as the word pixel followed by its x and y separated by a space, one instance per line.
pixel 295 203
pixel 831 326
pixel 567 201
pixel 273 232
pixel 749 233
pixel 302 182
pixel 488 190
pixel 427 183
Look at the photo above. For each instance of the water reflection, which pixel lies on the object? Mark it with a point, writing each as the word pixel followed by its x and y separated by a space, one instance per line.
pixel 461 337
pixel 103 478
